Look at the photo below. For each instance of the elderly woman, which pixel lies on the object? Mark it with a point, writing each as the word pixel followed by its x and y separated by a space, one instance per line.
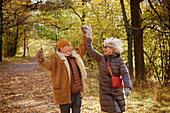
pixel 112 98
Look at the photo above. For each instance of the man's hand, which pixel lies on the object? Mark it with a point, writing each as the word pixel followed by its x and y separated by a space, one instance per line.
pixel 40 55
pixel 127 91
pixel 87 30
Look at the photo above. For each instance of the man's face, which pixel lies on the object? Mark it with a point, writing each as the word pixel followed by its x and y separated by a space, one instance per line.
pixel 108 50
pixel 66 50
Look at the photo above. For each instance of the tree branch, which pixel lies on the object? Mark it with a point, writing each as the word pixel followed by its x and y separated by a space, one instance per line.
pixel 154 67
pixel 75 12
pixel 158 14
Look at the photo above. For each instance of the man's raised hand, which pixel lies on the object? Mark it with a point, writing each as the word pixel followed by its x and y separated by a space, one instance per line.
pixel 40 55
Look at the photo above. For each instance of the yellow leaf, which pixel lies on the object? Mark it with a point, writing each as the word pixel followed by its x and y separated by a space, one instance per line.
pixel 96 1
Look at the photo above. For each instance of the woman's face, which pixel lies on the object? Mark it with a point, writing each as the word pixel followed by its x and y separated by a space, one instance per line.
pixel 108 50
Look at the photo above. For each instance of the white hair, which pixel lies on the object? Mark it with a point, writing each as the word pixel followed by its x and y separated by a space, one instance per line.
pixel 115 43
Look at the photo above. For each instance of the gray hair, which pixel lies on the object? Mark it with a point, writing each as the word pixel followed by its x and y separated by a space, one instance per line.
pixel 115 43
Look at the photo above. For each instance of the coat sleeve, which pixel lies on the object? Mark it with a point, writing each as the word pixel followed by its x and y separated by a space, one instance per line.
pixel 48 63
pixel 81 49
pixel 125 74
pixel 91 51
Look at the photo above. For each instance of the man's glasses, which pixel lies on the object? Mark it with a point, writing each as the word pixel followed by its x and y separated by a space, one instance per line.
pixel 105 47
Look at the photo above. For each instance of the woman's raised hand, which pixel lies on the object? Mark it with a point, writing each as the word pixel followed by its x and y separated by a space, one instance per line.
pixel 87 30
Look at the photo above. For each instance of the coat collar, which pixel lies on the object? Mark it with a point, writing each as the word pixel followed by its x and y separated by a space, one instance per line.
pixel 114 55
pixel 63 56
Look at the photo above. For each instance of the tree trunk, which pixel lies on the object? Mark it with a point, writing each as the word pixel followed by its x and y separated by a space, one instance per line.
pixel 137 33
pixel 57 32
pixel 129 38
pixel 13 45
pixel 24 42
pixel 16 41
pixel 1 28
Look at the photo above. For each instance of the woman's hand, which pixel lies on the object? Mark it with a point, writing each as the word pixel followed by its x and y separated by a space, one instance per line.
pixel 87 30
pixel 127 91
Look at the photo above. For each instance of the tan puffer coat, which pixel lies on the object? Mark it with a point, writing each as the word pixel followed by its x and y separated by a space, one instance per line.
pixel 111 99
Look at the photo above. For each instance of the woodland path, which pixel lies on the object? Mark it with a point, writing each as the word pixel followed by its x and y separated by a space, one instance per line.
pixel 24 89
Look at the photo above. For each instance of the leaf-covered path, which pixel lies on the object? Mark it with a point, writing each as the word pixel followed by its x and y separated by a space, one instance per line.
pixel 26 88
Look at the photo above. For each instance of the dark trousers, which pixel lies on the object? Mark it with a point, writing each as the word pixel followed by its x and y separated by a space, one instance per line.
pixel 75 104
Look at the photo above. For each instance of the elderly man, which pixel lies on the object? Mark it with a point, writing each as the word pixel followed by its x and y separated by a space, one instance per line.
pixel 68 74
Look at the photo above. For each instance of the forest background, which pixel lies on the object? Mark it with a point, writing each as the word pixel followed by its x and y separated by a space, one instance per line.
pixel 142 25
